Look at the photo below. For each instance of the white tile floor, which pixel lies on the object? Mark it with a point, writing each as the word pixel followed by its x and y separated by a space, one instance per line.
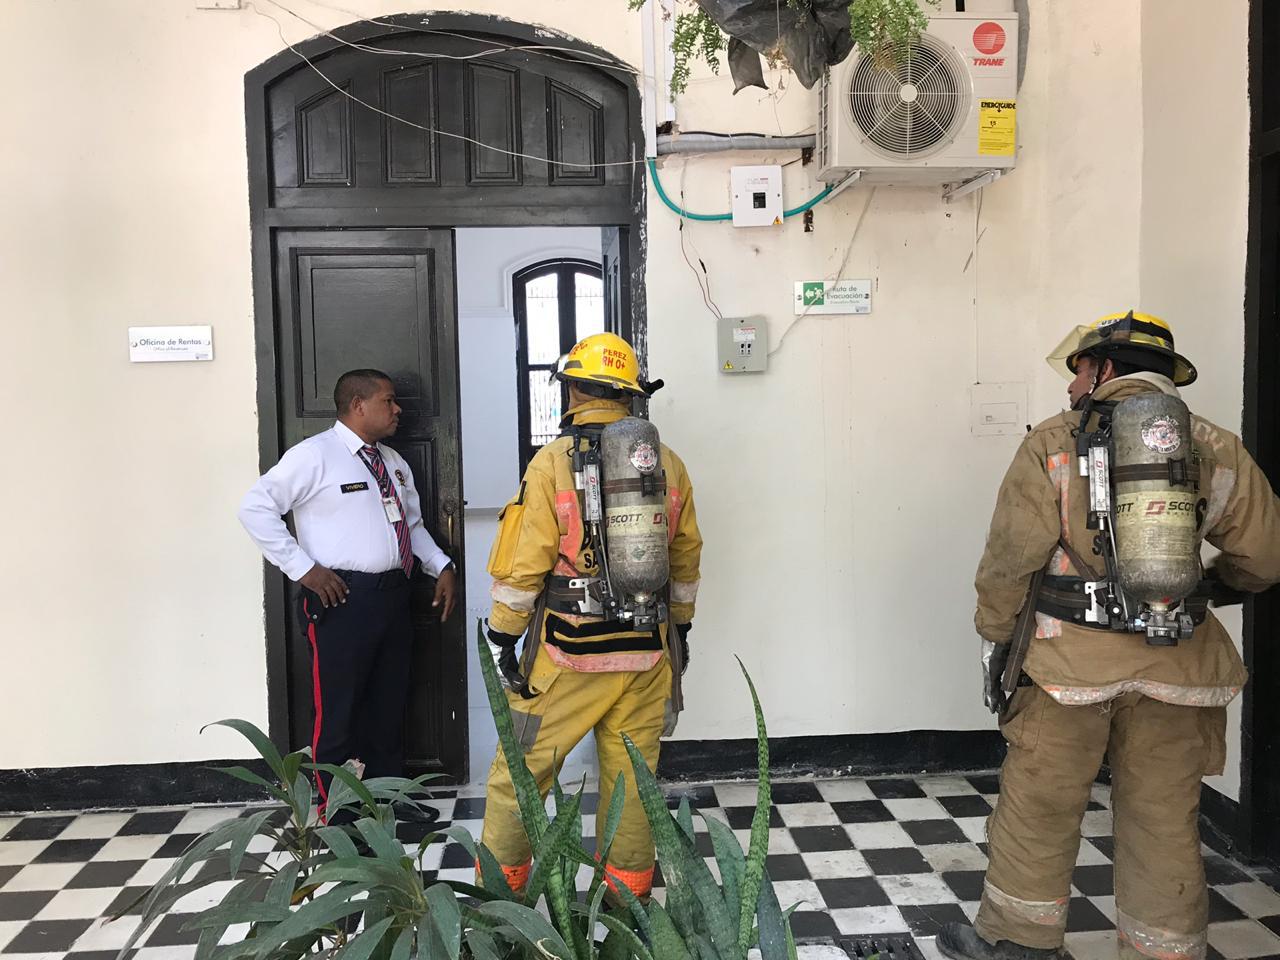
pixel 862 857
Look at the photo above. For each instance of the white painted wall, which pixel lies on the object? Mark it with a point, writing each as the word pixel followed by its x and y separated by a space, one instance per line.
pixel 843 500
pixel 486 261
pixel 1195 194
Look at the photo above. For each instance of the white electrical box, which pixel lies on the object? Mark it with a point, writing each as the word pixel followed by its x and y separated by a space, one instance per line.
pixel 757 196
pixel 998 409
pixel 743 344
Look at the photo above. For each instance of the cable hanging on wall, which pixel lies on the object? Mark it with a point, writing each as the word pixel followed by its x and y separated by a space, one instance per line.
pixel 649 161
pixel 561 54
pixel 417 126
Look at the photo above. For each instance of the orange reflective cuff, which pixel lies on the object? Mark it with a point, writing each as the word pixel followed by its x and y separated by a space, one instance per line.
pixel 517 876
pixel 639 882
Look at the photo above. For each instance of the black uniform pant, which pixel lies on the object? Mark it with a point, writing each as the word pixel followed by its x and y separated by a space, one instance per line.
pixel 361 653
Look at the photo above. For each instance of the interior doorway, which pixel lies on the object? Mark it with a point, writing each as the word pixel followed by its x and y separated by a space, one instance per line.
pixel 368 148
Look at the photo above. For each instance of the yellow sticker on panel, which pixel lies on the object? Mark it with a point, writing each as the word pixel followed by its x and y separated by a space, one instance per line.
pixel 997 127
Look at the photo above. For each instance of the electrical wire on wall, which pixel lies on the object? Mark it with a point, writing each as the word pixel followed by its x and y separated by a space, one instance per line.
pixel 844 262
pixel 704 287
pixel 972 261
pixel 551 51
pixel 417 126
pixel 703 278
pixel 564 54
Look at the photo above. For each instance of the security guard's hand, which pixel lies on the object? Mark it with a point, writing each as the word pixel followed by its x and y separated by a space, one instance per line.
pixel 325 584
pixel 446 592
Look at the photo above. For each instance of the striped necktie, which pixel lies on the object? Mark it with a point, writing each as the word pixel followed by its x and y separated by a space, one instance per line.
pixel 373 460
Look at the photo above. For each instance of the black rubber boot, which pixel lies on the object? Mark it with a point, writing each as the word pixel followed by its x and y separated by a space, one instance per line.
pixel 961 942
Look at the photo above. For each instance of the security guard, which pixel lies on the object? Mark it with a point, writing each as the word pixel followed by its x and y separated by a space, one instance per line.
pixel 360 535
pixel 578 672
pixel 1158 712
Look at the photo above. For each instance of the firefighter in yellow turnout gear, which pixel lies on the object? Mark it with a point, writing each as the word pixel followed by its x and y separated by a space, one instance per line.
pixel 581 671
pixel 1156 708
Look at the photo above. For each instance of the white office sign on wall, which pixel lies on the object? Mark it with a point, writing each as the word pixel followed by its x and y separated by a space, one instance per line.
pixel 161 344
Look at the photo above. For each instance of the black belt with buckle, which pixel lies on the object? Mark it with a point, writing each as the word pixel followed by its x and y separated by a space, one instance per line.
pixel 389 580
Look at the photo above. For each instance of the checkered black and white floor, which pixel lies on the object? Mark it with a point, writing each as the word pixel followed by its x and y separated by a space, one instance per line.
pixel 865 857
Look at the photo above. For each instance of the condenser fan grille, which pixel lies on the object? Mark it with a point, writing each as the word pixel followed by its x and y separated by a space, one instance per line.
pixel 909 107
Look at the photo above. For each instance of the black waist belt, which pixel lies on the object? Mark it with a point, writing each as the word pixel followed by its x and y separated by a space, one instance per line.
pixel 1064 599
pixel 597 637
pixel 390 580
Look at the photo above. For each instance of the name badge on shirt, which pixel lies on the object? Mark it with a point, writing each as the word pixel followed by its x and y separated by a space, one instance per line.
pixel 392 508
pixel 355 487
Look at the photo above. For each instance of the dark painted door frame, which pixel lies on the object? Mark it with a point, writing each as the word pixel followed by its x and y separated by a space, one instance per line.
pixel 620 209
pixel 1258 827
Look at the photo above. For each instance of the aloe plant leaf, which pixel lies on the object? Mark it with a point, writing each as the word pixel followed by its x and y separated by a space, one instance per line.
pixel 730 859
pixel 528 798
pixel 681 864
pixel 665 938
pixel 753 873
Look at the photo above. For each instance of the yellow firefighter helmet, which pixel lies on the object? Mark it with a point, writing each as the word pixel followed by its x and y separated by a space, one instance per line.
pixel 602 358
pixel 1130 337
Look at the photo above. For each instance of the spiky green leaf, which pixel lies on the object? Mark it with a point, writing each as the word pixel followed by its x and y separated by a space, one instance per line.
pixel 528 798
pixel 665 938
pixel 681 864
pixel 731 861
pixel 753 872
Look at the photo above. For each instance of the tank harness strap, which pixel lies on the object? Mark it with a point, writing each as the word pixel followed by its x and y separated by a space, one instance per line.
pixel 1064 598
pixel 1179 473
pixel 1083 567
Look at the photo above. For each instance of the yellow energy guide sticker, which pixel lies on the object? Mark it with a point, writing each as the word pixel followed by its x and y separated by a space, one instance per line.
pixel 997 127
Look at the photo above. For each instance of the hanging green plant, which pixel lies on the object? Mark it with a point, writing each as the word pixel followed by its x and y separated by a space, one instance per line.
pixel 883 29
pixel 886 29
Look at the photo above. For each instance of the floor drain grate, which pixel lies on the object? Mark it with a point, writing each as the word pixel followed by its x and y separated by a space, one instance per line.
pixel 886 948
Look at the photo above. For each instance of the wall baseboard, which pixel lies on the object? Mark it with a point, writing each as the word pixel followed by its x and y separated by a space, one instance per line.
pixel 846 755
pixel 126 785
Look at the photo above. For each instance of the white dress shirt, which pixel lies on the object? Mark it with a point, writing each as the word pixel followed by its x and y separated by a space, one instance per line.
pixel 337 509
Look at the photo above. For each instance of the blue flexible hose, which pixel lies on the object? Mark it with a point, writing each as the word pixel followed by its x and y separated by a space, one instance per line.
pixel 680 211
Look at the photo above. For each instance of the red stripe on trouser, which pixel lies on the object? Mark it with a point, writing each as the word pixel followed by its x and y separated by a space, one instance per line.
pixel 319 702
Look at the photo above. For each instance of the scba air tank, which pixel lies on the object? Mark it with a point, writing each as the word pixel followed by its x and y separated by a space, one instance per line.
pixel 1155 478
pixel 635 508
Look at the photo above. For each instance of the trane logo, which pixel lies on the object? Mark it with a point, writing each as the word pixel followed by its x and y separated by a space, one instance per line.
pixel 988 39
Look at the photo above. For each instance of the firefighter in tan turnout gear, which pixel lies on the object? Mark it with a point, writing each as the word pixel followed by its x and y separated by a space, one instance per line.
pixel 1092 570
pixel 596 565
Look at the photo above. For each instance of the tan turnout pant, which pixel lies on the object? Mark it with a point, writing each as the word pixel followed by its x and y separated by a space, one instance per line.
pixel 1158 754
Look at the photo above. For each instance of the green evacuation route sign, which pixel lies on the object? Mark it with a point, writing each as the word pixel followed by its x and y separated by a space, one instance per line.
pixel 833 296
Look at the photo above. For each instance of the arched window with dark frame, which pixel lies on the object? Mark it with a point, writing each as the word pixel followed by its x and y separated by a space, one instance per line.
pixel 557 303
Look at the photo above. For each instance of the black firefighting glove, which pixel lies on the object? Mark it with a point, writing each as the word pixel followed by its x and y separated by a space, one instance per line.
pixel 1220 593
pixel 502 648
pixel 683 629
pixel 994 658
